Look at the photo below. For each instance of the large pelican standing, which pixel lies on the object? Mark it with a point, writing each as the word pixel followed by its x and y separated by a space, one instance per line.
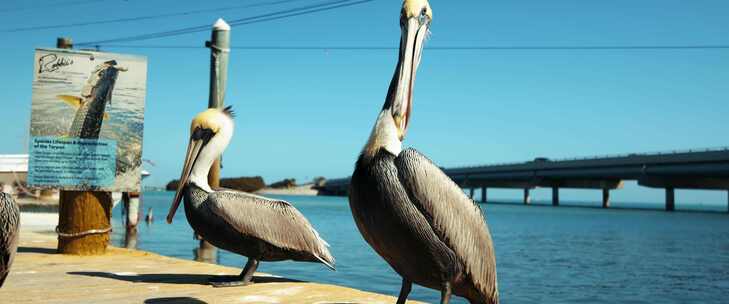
pixel 257 227
pixel 406 208
pixel 9 223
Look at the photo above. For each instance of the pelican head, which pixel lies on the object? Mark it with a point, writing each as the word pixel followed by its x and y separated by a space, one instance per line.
pixel 210 134
pixel 392 124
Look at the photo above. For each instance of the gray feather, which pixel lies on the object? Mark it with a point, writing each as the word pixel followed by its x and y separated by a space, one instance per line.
pixel 274 221
pixel 9 224
pixel 454 217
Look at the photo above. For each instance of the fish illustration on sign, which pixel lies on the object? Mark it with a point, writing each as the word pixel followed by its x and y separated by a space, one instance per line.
pixel 91 105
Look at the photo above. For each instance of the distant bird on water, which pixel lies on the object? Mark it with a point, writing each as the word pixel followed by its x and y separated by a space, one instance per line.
pixel 150 216
pixel 259 228
pixel 406 208
pixel 9 224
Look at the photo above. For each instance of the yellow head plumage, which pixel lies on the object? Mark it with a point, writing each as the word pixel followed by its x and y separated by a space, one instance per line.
pixel 211 119
pixel 413 8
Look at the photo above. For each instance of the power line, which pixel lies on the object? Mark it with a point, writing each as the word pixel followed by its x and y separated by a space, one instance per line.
pixel 439 48
pixel 149 17
pixel 304 10
pixel 48 5
pixel 246 20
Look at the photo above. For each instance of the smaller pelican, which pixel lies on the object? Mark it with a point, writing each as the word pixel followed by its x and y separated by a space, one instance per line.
pixel 259 228
pixel 9 223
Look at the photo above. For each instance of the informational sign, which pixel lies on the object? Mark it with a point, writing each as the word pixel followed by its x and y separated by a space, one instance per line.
pixel 87 121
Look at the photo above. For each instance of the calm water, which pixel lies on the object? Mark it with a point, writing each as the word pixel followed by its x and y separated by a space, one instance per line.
pixel 543 254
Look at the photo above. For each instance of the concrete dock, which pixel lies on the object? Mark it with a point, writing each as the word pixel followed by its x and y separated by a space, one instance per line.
pixel 39 275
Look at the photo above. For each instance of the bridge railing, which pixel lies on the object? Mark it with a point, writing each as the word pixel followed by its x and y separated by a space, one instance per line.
pixel 606 156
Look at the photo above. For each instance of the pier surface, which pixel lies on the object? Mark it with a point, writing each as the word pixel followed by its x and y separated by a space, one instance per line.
pixel 39 275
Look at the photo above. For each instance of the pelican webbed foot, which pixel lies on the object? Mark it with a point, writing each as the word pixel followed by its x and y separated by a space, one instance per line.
pixel 228 281
pixel 245 277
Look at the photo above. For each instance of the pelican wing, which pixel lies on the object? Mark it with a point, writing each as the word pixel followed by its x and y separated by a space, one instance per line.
pixel 274 221
pixel 454 217
pixel 9 223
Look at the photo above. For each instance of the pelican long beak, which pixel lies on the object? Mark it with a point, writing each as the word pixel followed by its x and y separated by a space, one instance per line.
pixel 414 32
pixel 193 150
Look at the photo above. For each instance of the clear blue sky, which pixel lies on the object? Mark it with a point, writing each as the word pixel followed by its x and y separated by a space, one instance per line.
pixel 303 114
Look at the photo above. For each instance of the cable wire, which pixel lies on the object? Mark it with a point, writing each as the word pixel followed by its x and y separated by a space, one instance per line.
pixel 140 18
pixel 48 5
pixel 304 10
pixel 439 48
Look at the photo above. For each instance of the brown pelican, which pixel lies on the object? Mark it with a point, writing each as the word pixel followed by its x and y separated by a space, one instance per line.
pixel 406 208
pixel 9 223
pixel 260 228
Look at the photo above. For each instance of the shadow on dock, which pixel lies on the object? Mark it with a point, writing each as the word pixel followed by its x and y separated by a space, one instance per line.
pixel 36 250
pixel 175 278
pixel 187 300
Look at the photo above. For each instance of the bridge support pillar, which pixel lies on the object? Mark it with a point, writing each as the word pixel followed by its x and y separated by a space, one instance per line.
pixel 484 197
pixel 606 198
pixel 555 196
pixel 471 193
pixel 670 199
pixel 527 198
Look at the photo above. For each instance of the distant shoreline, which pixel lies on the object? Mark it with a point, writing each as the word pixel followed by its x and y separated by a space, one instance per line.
pixel 304 190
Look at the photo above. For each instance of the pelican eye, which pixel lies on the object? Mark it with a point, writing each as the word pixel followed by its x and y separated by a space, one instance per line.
pixel 423 18
pixel 203 134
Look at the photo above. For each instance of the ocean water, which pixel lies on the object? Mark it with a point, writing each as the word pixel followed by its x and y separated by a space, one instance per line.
pixel 543 254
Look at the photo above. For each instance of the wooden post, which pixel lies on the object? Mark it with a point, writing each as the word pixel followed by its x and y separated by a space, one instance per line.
pixel 484 195
pixel 471 193
pixel 64 43
pixel 527 198
pixel 205 253
pixel 555 196
pixel 219 45
pixel 606 198
pixel 131 208
pixel 84 217
pixel 84 222
pixel 131 238
pixel 670 199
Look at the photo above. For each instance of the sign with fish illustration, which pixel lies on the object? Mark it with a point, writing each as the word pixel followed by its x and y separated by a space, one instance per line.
pixel 87 121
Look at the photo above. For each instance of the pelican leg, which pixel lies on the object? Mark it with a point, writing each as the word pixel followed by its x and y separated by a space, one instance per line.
pixel 445 293
pixel 245 277
pixel 248 271
pixel 404 291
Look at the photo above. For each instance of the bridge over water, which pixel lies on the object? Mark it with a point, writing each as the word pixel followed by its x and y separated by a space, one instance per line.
pixel 706 169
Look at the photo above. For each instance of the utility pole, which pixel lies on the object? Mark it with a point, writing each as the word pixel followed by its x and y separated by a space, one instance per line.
pixel 84 217
pixel 219 45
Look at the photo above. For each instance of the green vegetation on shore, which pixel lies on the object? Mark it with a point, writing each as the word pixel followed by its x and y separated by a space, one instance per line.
pixel 286 183
pixel 247 184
